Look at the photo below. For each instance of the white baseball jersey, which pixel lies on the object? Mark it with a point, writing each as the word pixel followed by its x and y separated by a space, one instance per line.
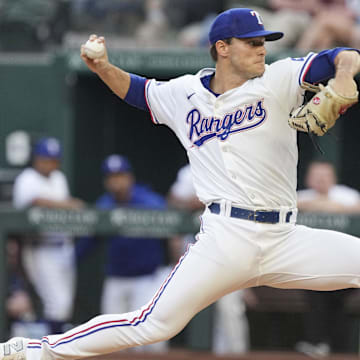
pixel 30 184
pixel 239 144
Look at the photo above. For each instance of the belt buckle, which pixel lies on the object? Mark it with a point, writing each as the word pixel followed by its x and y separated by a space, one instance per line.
pixel 252 215
pixel 256 214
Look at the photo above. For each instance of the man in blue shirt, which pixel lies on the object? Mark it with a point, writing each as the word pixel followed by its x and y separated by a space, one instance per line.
pixel 132 264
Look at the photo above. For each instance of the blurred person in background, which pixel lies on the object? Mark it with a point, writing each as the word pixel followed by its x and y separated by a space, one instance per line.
pixel 337 24
pixel 133 268
pixel 142 22
pixel 191 19
pixel 154 31
pixel 48 257
pixel 230 333
pixel 19 305
pixel 325 322
pixel 121 17
pixel 324 194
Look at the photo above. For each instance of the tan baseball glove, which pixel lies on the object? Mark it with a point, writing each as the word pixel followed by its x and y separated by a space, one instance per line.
pixel 321 112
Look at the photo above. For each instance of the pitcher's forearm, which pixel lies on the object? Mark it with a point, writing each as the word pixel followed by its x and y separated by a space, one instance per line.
pixel 347 64
pixel 116 79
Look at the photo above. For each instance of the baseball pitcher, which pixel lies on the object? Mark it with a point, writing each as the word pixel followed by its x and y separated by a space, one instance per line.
pixel 238 123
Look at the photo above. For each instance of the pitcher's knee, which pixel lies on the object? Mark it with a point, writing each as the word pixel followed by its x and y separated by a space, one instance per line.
pixel 163 331
pixel 355 282
pixel 350 281
pixel 339 283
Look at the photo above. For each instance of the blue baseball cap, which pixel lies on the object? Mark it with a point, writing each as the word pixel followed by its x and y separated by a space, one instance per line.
pixel 116 164
pixel 48 147
pixel 240 23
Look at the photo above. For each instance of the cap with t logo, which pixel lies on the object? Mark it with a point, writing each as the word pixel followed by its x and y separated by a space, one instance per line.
pixel 240 23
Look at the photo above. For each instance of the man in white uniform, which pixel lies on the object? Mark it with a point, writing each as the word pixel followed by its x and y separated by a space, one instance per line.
pixel 48 257
pixel 233 123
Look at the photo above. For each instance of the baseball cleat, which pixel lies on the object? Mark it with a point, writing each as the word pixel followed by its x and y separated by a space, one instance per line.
pixel 14 349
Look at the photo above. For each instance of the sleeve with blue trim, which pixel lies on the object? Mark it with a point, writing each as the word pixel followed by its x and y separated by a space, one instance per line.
pixel 322 66
pixel 136 93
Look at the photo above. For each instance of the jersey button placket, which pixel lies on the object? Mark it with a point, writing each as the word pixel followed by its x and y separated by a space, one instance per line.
pixel 217 108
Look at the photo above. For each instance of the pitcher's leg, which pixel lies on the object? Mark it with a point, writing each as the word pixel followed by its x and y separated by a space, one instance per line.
pixel 144 290
pixel 313 259
pixel 195 282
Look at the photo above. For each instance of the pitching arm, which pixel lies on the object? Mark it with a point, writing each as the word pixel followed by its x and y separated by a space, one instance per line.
pixel 115 78
pixel 129 87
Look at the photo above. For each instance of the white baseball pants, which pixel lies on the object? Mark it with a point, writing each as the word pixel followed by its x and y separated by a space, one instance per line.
pixel 51 269
pixel 230 254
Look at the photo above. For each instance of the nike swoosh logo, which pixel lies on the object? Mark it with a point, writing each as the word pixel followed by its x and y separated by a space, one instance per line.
pixel 190 96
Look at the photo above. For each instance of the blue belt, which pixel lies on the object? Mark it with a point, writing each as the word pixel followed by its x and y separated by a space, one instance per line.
pixel 271 217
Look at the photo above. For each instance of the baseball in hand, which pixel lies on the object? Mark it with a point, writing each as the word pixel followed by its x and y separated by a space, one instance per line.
pixel 94 49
